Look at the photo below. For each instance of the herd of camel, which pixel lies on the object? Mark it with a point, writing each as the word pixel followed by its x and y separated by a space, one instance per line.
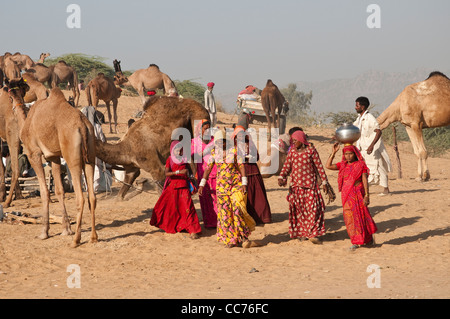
pixel 53 128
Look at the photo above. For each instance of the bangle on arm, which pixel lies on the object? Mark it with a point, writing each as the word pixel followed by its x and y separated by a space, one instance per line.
pixel 244 180
pixel 202 182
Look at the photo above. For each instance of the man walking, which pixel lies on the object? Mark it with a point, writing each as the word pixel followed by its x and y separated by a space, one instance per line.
pixel 210 103
pixel 371 145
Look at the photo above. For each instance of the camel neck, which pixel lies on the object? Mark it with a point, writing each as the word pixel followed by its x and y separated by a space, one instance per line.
pixel 20 113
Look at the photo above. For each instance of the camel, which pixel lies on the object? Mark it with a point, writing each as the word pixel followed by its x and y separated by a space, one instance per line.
pixel 54 129
pixel 41 73
pixel 144 80
pixel 421 105
pixel 11 69
pixel 42 57
pixel 62 73
pixel 272 102
pixel 146 143
pixel 9 131
pixel 23 61
pixel 103 88
pixel 37 90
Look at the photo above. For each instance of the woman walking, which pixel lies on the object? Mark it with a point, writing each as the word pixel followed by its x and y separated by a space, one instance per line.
pixel 306 205
pixel 174 211
pixel 354 188
pixel 231 189
pixel 258 206
pixel 201 151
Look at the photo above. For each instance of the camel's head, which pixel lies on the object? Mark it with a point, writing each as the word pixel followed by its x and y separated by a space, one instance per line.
pixel 17 90
pixel 120 79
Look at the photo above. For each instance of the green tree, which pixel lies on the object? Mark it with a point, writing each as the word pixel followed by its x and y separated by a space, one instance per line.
pixel 191 90
pixel 86 66
pixel 299 102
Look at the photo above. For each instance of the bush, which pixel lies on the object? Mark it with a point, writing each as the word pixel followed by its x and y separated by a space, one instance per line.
pixel 86 66
pixel 437 140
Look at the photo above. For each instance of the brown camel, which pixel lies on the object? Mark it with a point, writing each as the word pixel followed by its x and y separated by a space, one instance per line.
pixel 144 80
pixel 23 61
pixel 272 102
pixel 42 57
pixel 54 129
pixel 41 73
pixel 146 144
pixel 37 90
pixel 9 131
pixel 103 88
pixel 11 69
pixel 63 73
pixel 421 105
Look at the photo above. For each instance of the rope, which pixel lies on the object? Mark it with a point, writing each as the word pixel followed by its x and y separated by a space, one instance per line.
pixel 130 185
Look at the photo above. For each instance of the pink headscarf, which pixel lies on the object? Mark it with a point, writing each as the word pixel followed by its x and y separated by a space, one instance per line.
pixel 300 136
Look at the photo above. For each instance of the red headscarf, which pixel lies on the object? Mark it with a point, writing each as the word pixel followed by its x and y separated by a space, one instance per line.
pixel 210 84
pixel 300 136
pixel 355 174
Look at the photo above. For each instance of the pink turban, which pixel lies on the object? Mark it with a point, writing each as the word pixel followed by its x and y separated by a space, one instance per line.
pixel 210 84
pixel 300 136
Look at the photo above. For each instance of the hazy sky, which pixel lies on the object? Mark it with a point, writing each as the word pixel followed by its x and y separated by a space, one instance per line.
pixel 236 43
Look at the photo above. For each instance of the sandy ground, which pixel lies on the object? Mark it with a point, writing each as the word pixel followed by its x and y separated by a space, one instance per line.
pixel 135 260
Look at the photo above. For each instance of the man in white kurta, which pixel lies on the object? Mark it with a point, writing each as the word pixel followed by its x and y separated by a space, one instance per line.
pixel 371 146
pixel 210 104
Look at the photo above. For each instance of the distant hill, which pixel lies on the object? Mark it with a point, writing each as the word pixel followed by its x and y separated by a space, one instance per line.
pixel 380 87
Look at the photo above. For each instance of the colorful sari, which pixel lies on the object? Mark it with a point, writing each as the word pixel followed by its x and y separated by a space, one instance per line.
pixel 202 152
pixel 360 225
pixel 231 226
pixel 175 211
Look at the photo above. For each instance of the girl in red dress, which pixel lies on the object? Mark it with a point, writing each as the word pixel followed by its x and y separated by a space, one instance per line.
pixel 354 188
pixel 174 211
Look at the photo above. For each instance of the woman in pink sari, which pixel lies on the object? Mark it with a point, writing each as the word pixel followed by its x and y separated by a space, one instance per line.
pixel 354 188
pixel 201 152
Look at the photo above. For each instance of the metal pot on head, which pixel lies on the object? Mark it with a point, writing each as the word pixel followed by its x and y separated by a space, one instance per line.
pixel 348 133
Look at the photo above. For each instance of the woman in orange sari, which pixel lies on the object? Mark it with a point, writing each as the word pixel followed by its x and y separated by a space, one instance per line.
pixel 354 188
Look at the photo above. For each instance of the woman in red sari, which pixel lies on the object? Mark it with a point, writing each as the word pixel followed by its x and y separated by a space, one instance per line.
pixel 354 188
pixel 174 211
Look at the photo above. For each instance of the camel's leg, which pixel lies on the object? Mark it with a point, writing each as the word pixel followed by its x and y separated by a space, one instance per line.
pixel 75 171
pixel 59 192
pixel 115 102
pixel 416 137
pixel 89 174
pixel 108 108
pixel 2 182
pixel 36 163
pixel 76 94
pixel 269 126
pixel 130 176
pixel 14 152
pixel 140 90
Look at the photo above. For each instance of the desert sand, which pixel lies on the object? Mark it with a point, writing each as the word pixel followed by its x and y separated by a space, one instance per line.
pixel 135 260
